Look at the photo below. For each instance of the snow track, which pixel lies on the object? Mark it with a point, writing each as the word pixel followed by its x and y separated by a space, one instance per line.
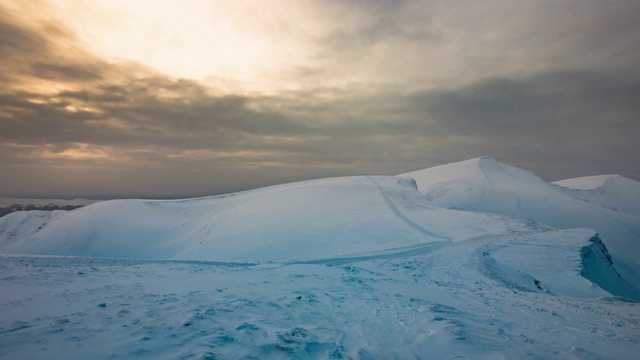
pixel 398 253
pixel 403 217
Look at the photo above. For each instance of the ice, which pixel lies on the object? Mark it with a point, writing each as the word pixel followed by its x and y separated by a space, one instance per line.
pixel 476 259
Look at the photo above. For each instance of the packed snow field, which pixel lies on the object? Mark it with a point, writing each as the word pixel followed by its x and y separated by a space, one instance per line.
pixel 475 259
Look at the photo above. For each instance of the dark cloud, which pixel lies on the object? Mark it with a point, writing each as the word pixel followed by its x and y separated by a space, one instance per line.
pixel 66 72
pixel 554 103
pixel 552 118
pixel 377 29
pixel 18 39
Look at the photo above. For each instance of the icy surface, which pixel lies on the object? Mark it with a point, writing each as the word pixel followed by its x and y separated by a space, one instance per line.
pixel 476 259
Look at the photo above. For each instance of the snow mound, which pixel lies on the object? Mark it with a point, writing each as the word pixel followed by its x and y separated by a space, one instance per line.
pixel 613 192
pixel 23 224
pixel 486 185
pixel 319 220
pixel 548 262
pixel 310 220
pixel 480 184
pixel 585 183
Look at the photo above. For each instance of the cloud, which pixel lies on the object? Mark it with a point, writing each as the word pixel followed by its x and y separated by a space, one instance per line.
pixel 444 44
pixel 65 72
pixel 72 123
pixel 71 116
pixel 551 104
pixel 555 118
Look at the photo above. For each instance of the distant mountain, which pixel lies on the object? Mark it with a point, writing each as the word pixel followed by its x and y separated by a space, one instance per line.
pixel 7 201
pixel 612 192
pixel 9 205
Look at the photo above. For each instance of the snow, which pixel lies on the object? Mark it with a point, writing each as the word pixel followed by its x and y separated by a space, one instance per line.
pixel 486 185
pixel 260 225
pixel 476 259
pixel 586 183
pixel 7 201
pixel 613 192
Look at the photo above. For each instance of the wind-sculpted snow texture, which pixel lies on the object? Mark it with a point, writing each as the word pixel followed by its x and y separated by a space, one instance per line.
pixel 476 259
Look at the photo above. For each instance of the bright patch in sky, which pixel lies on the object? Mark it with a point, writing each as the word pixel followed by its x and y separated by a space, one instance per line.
pixel 199 39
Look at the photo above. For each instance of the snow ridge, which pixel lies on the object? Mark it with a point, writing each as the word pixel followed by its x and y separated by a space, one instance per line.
pixel 587 182
pixel 485 185
pixel 613 192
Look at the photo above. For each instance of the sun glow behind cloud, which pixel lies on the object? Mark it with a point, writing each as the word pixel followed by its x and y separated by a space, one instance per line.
pixel 243 41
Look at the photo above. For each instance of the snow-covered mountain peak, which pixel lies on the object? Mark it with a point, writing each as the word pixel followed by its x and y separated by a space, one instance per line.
pixel 589 182
pixel 478 184
pixel 613 192
pixel 474 173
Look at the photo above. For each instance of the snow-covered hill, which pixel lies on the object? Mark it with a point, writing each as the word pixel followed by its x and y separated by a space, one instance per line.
pixel 612 192
pixel 473 259
pixel 485 185
pixel 308 220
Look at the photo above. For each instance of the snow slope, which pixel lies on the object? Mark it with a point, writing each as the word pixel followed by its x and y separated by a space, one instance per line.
pixel 486 298
pixel 612 192
pixel 301 221
pixel 486 185
pixel 586 183
pixel 476 259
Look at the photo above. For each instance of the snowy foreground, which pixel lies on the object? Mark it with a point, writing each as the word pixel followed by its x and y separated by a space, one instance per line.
pixel 475 259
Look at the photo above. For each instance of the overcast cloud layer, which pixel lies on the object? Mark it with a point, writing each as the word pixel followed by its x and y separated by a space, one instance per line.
pixel 359 87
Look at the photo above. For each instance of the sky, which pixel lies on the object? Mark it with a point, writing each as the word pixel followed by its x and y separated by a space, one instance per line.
pixel 173 98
